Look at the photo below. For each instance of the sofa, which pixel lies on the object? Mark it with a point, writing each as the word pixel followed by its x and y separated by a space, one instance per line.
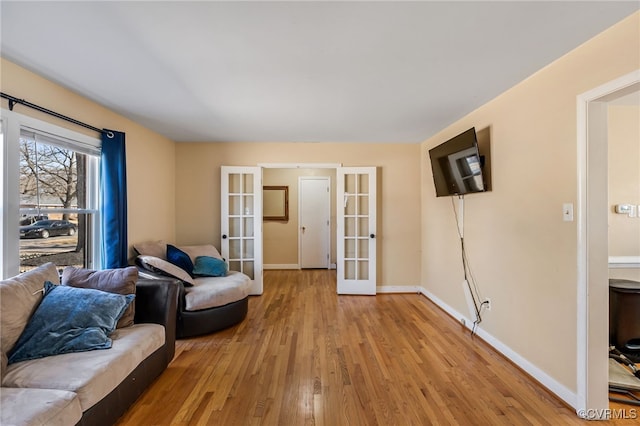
pixel 210 296
pixel 80 386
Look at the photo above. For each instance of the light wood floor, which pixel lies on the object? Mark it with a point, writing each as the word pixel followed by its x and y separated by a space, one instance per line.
pixel 305 356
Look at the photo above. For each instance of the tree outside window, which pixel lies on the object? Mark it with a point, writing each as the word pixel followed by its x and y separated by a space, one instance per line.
pixel 55 222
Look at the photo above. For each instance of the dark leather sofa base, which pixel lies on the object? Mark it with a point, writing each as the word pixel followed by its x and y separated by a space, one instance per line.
pixel 205 321
pixel 156 302
pixel 117 402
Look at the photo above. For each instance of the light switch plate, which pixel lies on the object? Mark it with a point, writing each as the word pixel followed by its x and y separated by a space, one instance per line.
pixel 567 212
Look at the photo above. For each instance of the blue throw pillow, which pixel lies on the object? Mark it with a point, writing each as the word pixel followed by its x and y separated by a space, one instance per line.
pixel 70 319
pixel 207 266
pixel 179 258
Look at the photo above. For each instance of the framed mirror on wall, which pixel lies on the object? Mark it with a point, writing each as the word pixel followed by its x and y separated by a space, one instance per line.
pixel 275 203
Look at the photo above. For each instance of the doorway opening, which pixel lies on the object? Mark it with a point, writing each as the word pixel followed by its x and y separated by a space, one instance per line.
pixel 355 222
pixel 593 241
pixel 281 239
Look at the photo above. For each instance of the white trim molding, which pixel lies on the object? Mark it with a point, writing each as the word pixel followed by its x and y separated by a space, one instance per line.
pixel 624 261
pixel 300 165
pixel 560 390
pixel 521 362
pixel 13 123
pixel 591 333
pixel 398 289
pixel 281 266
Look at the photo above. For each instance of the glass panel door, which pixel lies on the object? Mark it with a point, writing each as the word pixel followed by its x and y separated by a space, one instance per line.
pixel 241 227
pixel 356 227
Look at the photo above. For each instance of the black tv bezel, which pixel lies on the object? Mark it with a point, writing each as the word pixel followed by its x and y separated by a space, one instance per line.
pixel 461 142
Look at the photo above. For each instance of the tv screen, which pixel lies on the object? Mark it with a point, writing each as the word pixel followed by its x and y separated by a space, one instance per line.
pixel 457 165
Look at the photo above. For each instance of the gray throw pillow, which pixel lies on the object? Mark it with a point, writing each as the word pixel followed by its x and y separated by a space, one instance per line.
pixel 119 281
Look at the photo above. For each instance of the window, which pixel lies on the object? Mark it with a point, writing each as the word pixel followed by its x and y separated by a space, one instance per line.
pixel 57 204
pixel 54 188
pixel 3 212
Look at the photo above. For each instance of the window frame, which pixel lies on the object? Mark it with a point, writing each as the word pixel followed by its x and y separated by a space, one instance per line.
pixel 12 123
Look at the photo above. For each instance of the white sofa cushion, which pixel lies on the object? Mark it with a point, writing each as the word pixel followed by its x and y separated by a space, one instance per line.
pixel 211 292
pixel 39 407
pixel 92 375
pixel 19 298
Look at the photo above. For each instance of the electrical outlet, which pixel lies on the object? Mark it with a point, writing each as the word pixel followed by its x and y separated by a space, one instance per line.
pixel 487 303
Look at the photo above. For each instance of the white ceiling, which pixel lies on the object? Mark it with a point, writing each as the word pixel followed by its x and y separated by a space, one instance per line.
pixel 366 71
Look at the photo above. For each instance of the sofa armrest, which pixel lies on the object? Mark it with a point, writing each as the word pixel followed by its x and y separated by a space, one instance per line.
pixel 156 302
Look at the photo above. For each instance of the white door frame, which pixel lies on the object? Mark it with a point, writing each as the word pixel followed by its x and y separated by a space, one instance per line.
pixel 593 296
pixel 334 166
pixel 337 167
pixel 327 233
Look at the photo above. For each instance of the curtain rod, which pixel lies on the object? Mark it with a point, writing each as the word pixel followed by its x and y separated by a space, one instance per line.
pixel 13 100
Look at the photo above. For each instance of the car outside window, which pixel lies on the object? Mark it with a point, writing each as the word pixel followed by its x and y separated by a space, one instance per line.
pixel 57 183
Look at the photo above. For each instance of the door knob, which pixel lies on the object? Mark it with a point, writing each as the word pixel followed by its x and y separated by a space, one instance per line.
pixel 372 235
pixel 303 229
pixel 224 236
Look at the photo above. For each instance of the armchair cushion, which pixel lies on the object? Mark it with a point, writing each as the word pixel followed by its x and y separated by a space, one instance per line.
pixel 152 248
pixel 201 250
pixel 164 267
pixel 207 266
pixel 179 258
pixel 158 249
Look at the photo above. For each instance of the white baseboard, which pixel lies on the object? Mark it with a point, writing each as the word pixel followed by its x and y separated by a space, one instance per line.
pixel 281 266
pixel 545 380
pixel 398 289
pixel 289 266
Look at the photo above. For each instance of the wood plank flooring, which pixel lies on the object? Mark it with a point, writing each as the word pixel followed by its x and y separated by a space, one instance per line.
pixel 305 356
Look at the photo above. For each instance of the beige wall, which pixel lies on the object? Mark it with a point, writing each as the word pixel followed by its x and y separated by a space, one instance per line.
pixel 624 184
pixel 523 255
pixel 281 238
pixel 150 157
pixel 198 192
pixel 174 189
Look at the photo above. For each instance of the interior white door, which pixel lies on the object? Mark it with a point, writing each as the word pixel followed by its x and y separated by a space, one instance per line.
pixel 356 230
pixel 241 221
pixel 314 207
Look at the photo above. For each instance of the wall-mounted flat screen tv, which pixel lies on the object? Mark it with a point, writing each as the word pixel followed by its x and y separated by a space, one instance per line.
pixel 457 165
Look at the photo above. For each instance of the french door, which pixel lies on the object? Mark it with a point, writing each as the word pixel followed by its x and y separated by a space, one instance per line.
pixel 356 230
pixel 241 221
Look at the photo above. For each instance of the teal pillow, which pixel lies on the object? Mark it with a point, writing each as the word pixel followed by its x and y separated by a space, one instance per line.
pixel 70 319
pixel 207 266
pixel 179 258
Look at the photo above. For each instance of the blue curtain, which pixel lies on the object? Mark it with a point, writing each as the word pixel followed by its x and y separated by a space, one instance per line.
pixel 113 200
